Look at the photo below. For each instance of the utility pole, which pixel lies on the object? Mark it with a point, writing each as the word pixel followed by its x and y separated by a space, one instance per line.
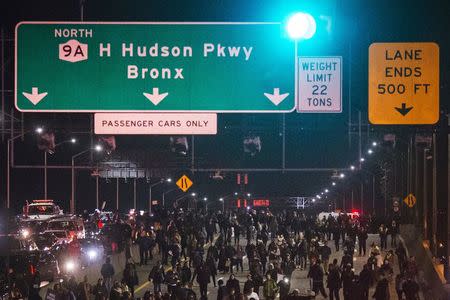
pixel 434 199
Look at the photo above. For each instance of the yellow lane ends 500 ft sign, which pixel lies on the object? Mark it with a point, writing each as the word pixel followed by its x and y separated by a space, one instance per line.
pixel 403 83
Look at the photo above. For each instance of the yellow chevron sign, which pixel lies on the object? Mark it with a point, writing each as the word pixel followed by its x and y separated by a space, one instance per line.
pixel 184 183
pixel 410 200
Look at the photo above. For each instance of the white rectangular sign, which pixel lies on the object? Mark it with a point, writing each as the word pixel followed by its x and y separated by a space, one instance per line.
pixel 155 123
pixel 320 84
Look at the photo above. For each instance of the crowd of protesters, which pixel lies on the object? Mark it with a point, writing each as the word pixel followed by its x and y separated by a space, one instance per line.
pixel 193 246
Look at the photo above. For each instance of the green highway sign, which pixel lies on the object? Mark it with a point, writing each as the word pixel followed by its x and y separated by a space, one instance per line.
pixel 160 67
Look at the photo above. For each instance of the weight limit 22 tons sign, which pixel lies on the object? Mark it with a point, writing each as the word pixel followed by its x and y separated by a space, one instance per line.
pixel 404 83
pixel 320 84
pixel 162 67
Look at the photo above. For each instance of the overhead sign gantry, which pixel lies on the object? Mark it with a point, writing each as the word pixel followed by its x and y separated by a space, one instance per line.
pixel 153 67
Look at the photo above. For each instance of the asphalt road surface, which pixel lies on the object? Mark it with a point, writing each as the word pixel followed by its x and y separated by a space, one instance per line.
pixel 299 278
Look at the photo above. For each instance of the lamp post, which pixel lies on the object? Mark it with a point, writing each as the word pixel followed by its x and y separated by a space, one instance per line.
pixel 150 194
pixel 206 203
pixel 300 26
pixel 73 141
pixel 97 148
pixel 223 204
pixel 164 196
pixel 9 158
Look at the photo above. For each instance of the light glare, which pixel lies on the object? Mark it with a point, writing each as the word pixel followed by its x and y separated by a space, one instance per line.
pixel 301 26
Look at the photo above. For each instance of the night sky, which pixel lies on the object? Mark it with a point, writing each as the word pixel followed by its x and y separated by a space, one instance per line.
pixel 312 140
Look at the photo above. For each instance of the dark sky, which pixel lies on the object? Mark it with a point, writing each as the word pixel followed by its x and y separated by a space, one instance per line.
pixel 319 140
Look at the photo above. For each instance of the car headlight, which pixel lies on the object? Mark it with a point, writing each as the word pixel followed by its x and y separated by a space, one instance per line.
pixel 92 254
pixel 70 265
pixel 25 233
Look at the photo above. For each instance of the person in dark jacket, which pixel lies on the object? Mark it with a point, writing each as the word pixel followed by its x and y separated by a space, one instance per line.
pixel 316 274
pixel 130 277
pixel 107 272
pixel 99 290
pixel 203 278
pixel 325 253
pixel 248 285
pixel 336 236
pixel 157 276
pixel 334 281
pixel 233 284
pixel 365 278
pixel 222 293
pixel 362 240
pixel 185 273
pixel 212 268
pixel 411 289
pixel 382 289
pixel 347 279
pixel 284 286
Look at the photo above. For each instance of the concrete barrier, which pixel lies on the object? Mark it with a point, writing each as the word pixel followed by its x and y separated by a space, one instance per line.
pixel 413 242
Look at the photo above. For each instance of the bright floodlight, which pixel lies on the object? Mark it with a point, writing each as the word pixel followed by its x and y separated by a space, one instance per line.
pixel 374 144
pixel 314 200
pixel 221 199
pixel 39 130
pixel 248 194
pixel 342 175
pixel 235 193
pixel 73 140
pixel 326 191
pixel 362 159
pixel 204 199
pixel 92 254
pixel 301 26
pixel 352 167
pixel 169 179
pixel 70 266
pixel 25 233
pixel 333 183
pixel 193 194
pixel 370 151
pixel 98 148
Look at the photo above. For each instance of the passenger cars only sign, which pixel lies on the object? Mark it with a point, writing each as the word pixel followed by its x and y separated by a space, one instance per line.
pixel 320 84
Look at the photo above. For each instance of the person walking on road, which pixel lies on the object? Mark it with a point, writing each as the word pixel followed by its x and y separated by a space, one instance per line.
pixel 107 272
pixel 157 275
pixel 203 278
pixel 365 278
pixel 222 293
pixel 130 277
pixel 382 289
pixel 362 240
pixel 394 232
pixel 325 253
pixel 270 288
pixel 334 281
pixel 382 231
pixel 316 274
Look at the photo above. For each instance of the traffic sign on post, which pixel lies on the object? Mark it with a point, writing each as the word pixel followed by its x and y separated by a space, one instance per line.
pixel 155 123
pixel 160 67
pixel 403 83
pixel 410 200
pixel 184 183
pixel 320 84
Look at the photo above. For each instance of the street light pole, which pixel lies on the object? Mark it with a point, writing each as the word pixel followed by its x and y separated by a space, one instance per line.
pixel 72 140
pixel 150 194
pixel 8 167
pixel 72 199
pixel 45 174
pixel 98 148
